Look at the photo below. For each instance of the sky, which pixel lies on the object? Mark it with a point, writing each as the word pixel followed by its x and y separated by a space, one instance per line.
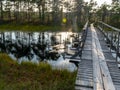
pixel 99 2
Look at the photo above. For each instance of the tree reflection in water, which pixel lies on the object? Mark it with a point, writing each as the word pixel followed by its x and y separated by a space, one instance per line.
pixel 38 46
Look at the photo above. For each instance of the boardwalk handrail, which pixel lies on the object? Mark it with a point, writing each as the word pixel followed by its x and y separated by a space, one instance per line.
pixel 83 37
pixel 112 37
pixel 81 43
pixel 113 28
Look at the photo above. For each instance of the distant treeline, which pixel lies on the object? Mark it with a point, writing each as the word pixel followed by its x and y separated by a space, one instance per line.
pixel 109 14
pixel 53 11
pixel 41 11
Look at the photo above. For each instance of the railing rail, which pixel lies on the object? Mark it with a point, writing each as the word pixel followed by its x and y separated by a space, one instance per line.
pixel 111 27
pixel 83 37
pixel 82 41
pixel 112 35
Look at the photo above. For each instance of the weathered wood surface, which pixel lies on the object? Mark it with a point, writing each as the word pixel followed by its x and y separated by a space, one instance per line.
pixel 111 63
pixel 97 68
pixel 104 77
pixel 84 79
pixel 98 80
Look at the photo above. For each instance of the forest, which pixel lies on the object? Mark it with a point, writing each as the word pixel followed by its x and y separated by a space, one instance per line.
pixel 51 12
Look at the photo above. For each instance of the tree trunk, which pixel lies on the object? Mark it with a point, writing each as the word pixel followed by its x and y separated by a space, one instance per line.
pixel 9 14
pixel 28 13
pixel 1 9
pixel 16 13
pixel 39 8
pixel 43 13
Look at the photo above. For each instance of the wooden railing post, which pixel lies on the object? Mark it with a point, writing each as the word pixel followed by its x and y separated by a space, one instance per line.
pixel 117 48
pixel 111 41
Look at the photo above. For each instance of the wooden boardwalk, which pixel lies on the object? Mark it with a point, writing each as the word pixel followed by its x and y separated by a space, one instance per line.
pixel 98 69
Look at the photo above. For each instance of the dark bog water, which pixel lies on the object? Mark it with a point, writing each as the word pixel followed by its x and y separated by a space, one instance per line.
pixel 40 46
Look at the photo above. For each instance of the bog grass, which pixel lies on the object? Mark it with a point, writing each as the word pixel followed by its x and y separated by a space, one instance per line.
pixel 28 27
pixel 33 28
pixel 37 28
pixel 29 76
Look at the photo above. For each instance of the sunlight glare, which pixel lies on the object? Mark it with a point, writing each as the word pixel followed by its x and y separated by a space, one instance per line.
pixel 100 2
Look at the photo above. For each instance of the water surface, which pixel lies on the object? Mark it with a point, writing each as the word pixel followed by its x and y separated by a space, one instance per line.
pixel 50 47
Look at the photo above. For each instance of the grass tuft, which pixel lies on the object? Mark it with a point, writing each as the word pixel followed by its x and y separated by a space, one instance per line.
pixel 30 76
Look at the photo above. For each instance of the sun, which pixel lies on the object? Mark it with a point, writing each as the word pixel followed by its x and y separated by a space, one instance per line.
pixel 64 20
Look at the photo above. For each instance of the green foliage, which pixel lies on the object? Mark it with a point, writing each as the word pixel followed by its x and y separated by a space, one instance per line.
pixel 30 76
pixel 115 16
pixel 110 14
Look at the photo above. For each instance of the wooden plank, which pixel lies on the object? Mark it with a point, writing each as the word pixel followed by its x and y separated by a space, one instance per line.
pixel 84 83
pixel 107 80
pixel 88 57
pixel 116 75
pixel 84 79
pixel 117 83
pixel 117 87
pixel 86 68
pixel 98 84
pixel 82 88
pixel 87 77
pixel 112 61
pixel 91 75
pixel 88 42
pixel 89 70
pixel 76 59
